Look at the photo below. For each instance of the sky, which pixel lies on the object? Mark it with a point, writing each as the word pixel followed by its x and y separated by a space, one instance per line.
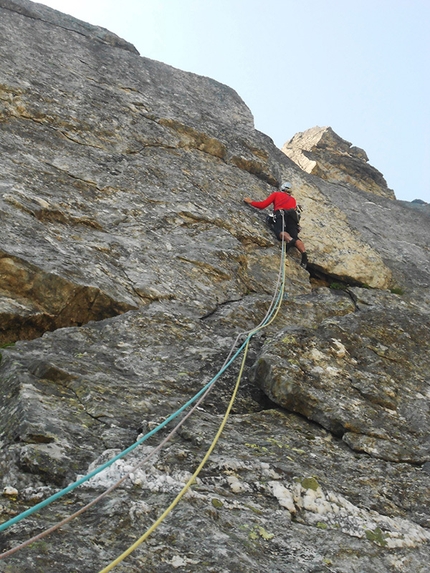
pixel 361 67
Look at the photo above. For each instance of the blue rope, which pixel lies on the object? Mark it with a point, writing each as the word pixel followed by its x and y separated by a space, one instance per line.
pixel 82 480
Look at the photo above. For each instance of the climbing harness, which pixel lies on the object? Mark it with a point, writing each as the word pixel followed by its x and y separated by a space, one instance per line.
pixel 294 214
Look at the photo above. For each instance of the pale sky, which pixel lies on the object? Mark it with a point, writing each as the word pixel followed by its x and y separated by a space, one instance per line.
pixel 361 67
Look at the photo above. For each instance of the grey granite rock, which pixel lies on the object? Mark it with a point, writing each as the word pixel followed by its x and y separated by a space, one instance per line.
pixel 322 152
pixel 131 269
pixel 362 376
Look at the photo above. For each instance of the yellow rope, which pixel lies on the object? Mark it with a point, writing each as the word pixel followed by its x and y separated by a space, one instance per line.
pixel 190 481
pixel 208 453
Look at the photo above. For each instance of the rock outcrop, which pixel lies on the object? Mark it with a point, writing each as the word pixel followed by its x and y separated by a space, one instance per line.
pixel 322 152
pixel 130 268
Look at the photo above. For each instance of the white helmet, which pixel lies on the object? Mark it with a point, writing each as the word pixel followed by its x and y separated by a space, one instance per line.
pixel 286 186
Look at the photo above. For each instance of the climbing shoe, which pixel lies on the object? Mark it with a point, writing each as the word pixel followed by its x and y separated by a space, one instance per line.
pixel 304 261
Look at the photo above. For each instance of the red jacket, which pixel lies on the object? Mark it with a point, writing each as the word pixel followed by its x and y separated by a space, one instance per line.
pixel 279 199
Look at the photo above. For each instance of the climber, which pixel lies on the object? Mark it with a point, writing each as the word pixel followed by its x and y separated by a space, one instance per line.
pixel 284 204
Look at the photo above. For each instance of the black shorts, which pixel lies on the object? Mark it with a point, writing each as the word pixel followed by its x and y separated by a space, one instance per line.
pixel 290 223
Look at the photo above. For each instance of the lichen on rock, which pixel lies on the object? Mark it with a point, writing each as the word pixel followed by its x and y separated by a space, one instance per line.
pixel 130 269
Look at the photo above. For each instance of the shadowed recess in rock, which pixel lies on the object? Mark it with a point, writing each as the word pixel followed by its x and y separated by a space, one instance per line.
pixel 33 301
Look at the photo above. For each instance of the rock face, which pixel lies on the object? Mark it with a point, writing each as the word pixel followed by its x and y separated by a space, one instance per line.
pixel 130 266
pixel 361 376
pixel 322 152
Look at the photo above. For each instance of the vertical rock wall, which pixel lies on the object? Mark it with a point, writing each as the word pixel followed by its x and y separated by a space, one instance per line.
pixel 130 266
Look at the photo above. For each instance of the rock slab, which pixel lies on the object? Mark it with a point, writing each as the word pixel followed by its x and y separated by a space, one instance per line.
pixel 130 269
